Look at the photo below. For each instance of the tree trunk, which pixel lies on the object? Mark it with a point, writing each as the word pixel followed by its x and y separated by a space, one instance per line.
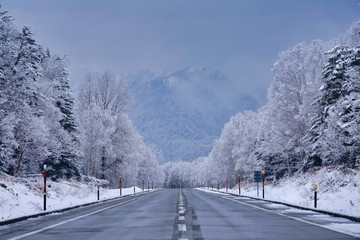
pixel 17 162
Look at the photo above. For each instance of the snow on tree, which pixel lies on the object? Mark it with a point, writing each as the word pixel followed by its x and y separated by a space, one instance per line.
pixel 334 137
pixel 64 157
pixel 24 134
pixel 37 116
pixel 297 76
pixel 300 128
pixel 110 144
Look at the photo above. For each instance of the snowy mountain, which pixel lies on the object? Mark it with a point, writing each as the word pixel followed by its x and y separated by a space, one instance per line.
pixel 183 112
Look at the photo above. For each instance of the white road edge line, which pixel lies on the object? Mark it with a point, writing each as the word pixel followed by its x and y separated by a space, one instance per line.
pixel 69 220
pixel 295 218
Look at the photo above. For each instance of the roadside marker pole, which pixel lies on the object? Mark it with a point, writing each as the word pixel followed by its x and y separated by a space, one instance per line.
pixel 148 186
pixel 263 178
pixel 239 184
pixel 134 189
pixel 44 187
pixel 227 184
pixel 98 192
pixel 315 199
pixel 143 185
pixel 152 185
pixel 120 187
pixel 218 185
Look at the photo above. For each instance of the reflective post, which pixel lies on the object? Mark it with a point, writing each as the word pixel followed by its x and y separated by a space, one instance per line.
pixel 315 197
pixel 44 187
pixel 263 180
pixel 120 187
pixel 239 184
pixel 98 193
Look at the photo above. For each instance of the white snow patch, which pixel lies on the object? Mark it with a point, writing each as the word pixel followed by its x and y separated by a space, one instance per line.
pixel 338 190
pixel 24 196
pixel 352 228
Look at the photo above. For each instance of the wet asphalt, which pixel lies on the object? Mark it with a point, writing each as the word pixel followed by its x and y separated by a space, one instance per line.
pixel 171 214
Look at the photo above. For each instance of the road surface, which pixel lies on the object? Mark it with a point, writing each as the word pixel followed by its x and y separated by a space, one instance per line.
pixel 175 214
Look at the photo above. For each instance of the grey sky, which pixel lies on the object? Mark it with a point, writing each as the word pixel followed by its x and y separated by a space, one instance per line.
pixel 240 38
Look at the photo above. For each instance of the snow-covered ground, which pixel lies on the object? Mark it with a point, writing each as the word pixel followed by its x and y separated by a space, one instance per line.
pixel 338 190
pixel 24 196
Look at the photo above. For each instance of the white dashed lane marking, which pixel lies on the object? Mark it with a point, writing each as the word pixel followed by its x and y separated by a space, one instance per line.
pixel 182 227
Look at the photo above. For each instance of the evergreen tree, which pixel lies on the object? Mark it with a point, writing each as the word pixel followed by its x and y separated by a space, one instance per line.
pixel 334 135
pixel 65 156
pixel 36 106
pixel 23 135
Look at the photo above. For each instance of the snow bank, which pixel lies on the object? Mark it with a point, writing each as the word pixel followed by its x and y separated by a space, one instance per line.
pixel 24 196
pixel 338 190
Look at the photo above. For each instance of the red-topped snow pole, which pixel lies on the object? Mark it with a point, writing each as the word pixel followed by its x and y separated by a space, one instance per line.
pixel 98 193
pixel 44 187
pixel 239 184
pixel 315 197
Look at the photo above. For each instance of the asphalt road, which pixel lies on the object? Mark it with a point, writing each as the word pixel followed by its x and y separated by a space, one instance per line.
pixel 171 214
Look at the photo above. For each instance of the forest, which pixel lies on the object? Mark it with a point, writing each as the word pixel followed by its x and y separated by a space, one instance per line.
pixel 43 123
pixel 311 120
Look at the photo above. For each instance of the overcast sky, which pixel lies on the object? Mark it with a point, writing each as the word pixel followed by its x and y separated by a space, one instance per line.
pixel 242 38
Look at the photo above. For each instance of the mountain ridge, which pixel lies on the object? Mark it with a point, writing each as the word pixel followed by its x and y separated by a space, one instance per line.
pixel 183 112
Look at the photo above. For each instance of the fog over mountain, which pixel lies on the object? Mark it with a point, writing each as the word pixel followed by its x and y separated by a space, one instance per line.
pixel 184 111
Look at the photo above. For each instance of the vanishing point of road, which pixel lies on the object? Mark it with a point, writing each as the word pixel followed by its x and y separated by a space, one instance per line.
pixel 173 214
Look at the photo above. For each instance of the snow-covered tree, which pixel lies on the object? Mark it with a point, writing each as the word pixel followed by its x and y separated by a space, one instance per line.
pixel 64 157
pixel 334 136
pixel 23 134
pixel 37 117
pixel 110 144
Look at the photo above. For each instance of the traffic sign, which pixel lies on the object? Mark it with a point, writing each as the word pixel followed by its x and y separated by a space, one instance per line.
pixel 257 176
